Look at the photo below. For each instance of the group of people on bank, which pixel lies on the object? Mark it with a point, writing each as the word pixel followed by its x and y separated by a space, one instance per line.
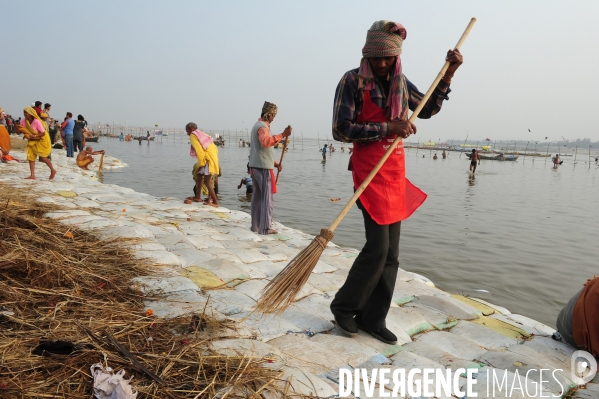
pixel 40 130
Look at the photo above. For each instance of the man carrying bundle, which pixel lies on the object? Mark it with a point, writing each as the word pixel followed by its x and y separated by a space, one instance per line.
pixel 371 110
pixel 262 162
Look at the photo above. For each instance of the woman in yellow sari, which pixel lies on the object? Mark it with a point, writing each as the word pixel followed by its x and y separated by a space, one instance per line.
pixel 36 131
pixel 204 149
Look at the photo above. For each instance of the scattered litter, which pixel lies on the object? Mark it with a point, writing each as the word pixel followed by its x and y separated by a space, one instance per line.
pixel 108 385
pixel 482 291
pixel 334 199
pixel 68 234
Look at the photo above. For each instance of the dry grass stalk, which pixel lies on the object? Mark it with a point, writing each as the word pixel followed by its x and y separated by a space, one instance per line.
pixel 76 290
pixel 282 290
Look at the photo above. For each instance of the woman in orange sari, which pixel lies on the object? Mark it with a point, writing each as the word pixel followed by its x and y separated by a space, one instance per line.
pixel 36 131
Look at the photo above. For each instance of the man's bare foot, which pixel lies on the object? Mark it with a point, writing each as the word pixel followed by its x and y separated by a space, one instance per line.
pixel 52 175
pixel 30 178
pixel 194 199
pixel 85 168
pixel 212 204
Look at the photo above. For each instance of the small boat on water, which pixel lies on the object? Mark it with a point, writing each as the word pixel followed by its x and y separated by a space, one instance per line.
pixel 92 139
pixel 497 157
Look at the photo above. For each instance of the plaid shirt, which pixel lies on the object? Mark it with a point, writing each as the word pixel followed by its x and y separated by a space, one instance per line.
pixel 348 104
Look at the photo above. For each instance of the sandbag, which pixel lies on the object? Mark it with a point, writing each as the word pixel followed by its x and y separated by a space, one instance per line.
pixel 264 326
pixel 300 351
pixel 458 346
pixel 248 256
pixel 306 322
pixel 247 347
pixel 159 285
pixel 192 256
pixel 160 257
pixel 177 304
pixel 483 336
pixel 407 320
pixel 527 324
pixel 348 349
pixel 226 270
pixel 201 277
pixel 441 304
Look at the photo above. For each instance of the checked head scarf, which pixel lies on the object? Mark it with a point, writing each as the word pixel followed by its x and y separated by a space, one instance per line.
pixel 384 39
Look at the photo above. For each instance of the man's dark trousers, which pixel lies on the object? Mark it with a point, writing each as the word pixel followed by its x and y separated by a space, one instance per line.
pixel 368 290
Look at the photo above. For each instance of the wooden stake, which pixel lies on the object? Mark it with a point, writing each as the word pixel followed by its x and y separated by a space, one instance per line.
pixel 101 163
pixel 282 155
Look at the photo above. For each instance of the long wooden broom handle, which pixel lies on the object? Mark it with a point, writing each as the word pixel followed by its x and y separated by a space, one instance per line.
pixel 101 163
pixel 391 148
pixel 282 155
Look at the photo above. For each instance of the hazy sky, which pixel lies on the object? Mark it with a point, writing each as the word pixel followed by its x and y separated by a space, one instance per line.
pixel 528 64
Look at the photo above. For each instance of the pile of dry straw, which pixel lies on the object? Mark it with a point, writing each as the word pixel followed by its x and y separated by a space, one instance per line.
pixel 53 287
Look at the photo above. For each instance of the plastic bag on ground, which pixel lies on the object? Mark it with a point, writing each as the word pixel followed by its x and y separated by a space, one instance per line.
pixel 108 385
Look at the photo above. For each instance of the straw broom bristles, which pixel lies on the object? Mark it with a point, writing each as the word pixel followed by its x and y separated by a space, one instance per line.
pixel 283 289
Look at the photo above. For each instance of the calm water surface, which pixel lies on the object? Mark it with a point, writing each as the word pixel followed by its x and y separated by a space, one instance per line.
pixel 521 230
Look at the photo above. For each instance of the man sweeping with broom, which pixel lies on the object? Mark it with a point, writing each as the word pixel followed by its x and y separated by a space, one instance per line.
pixel 371 110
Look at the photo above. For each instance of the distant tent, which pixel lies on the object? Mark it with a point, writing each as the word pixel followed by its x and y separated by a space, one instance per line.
pixel 428 143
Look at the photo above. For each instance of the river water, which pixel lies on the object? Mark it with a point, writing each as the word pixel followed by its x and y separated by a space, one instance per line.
pixel 518 234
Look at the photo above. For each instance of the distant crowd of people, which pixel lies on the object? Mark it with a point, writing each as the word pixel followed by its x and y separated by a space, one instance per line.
pixel 42 133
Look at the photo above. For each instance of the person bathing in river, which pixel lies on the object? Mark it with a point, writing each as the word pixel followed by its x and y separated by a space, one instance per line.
pixel 249 187
pixel 435 157
pixel 204 149
pixel 444 154
pixel 371 110
pixel 84 158
pixel 555 161
pixel 474 157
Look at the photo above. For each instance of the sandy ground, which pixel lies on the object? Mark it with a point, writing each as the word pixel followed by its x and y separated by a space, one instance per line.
pixel 17 143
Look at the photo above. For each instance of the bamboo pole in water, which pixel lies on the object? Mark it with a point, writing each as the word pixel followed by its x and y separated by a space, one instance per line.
pixel 589 156
pixel 575 154
pixel 465 141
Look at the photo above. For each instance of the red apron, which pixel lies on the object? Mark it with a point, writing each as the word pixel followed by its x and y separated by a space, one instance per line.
pixel 390 197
